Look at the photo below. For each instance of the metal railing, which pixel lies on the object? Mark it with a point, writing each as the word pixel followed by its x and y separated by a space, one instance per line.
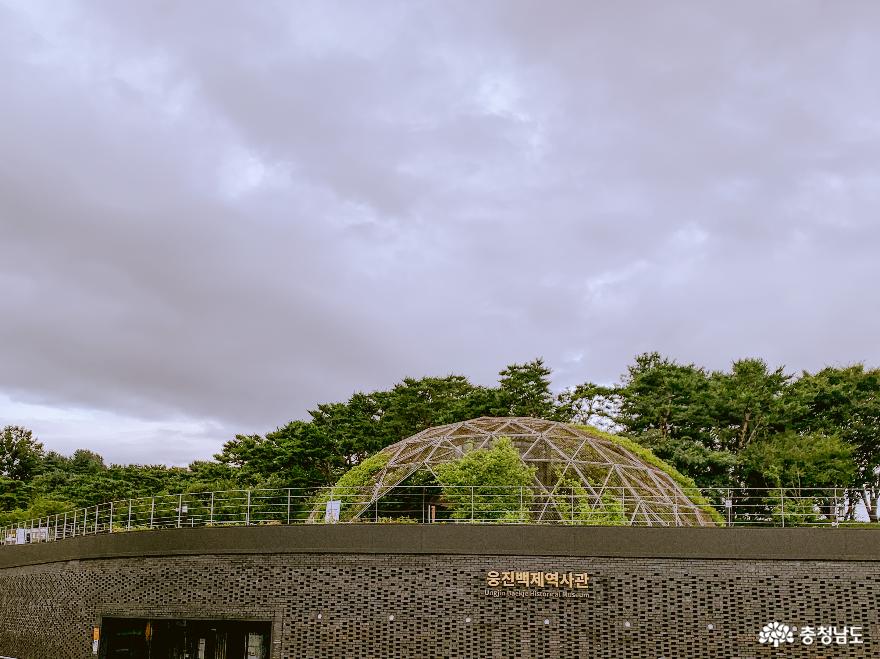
pixel 611 506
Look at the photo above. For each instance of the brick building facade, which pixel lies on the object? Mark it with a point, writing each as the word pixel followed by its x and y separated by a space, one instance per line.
pixel 430 592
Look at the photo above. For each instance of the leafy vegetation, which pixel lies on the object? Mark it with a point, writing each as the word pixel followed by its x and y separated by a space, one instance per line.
pixel 748 426
pixel 488 484
pixel 571 499
pixel 647 455
pixel 350 488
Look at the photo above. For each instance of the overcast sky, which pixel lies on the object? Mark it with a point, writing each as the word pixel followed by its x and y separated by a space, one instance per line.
pixel 215 215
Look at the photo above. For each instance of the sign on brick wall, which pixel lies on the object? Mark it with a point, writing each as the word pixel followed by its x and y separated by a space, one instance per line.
pixel 515 583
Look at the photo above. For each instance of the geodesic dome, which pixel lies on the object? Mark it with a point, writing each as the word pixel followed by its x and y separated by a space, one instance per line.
pixel 567 459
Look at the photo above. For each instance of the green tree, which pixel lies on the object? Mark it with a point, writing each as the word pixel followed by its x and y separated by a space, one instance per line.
pixel 248 457
pixel 659 394
pixel 352 430
pixel 84 461
pixel 592 405
pixel 708 467
pixel 14 493
pixel 576 506
pixel 488 484
pixel 524 390
pixel 415 405
pixel 746 404
pixel 844 402
pixel 207 475
pixel 302 456
pixel 21 455
pixel 800 468
pixel 798 462
pixel 39 507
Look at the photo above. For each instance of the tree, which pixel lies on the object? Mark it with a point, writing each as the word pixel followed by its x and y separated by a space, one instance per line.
pixel 351 430
pixel 845 402
pixel 802 468
pixel 708 467
pixel 84 461
pixel 13 493
pixel 39 507
pixel 591 404
pixel 21 455
pixel 248 458
pixel 659 394
pixel 797 461
pixel 746 404
pixel 415 405
pixel 524 390
pixel 576 506
pixel 488 484
pixel 303 457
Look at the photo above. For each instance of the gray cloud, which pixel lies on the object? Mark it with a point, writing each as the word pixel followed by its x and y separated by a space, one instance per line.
pixel 225 215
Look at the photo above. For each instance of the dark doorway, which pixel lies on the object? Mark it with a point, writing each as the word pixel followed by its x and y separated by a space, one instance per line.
pixel 142 638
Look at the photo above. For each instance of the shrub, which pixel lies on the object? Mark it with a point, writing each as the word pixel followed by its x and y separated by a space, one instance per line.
pixel 488 484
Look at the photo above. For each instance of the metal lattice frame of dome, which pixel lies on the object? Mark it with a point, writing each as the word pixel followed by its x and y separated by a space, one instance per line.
pixel 559 452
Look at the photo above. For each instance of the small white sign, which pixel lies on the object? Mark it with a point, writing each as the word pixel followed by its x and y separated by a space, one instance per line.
pixel 95 646
pixel 255 646
pixel 331 513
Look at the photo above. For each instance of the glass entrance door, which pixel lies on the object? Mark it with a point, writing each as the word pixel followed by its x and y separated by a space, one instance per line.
pixel 140 638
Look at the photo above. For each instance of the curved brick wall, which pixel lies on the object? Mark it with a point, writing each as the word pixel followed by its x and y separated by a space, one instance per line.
pixel 329 592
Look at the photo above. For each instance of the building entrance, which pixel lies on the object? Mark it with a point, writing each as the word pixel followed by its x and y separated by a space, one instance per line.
pixel 142 638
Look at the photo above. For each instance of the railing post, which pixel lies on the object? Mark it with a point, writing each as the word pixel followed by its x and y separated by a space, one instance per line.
pixel 211 514
pixel 128 524
pixel 288 505
pixel 729 507
pixel 97 512
pixel 111 517
pixel 152 510
pixel 836 508
pixel 572 506
pixel 472 503
pixel 247 516
pixel 64 532
pixel 521 516
pixel 782 505
pixel 179 508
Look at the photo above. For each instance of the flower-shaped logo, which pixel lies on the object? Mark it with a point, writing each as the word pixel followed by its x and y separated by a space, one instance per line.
pixel 776 633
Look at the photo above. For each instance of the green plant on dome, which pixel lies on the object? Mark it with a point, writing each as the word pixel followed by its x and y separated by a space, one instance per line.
pixel 646 455
pixel 488 485
pixel 576 506
pixel 353 487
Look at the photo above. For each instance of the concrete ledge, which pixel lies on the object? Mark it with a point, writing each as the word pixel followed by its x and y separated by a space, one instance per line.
pixel 822 544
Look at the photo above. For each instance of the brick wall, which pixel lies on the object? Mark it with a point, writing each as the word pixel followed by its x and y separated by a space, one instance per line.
pixel 338 604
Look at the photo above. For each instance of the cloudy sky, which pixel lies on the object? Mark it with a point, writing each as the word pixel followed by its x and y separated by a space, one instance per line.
pixel 215 215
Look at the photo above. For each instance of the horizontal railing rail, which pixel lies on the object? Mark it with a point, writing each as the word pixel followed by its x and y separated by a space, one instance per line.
pixel 608 506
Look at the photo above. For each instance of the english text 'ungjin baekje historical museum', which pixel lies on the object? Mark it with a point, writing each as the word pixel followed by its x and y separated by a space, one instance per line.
pixel 588 547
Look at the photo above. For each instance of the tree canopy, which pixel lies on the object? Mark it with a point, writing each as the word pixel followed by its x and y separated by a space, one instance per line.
pixel 751 425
